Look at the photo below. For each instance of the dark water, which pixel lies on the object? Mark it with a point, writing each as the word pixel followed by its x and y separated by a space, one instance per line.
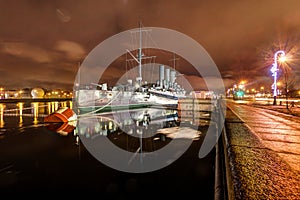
pixel 36 159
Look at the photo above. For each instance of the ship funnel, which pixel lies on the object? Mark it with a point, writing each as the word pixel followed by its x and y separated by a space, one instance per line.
pixel 167 78
pixel 161 75
pixel 173 77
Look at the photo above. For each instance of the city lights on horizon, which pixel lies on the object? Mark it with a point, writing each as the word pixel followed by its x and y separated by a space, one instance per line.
pixel 35 92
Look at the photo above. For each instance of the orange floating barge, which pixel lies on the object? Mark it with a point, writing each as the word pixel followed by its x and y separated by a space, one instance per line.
pixel 64 114
pixel 62 121
pixel 63 128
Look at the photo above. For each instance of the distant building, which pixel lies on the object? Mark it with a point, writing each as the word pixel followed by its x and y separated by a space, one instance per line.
pixel 37 93
pixel 201 94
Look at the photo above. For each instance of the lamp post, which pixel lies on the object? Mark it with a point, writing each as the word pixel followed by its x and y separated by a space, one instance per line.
pixel 274 70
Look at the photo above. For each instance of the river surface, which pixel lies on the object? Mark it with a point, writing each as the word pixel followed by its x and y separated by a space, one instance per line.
pixel 39 157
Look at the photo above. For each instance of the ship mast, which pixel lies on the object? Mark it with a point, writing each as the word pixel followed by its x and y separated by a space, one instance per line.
pixel 174 61
pixel 140 56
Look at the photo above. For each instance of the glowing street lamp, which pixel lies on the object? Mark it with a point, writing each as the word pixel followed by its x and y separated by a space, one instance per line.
pixel 282 59
pixel 274 70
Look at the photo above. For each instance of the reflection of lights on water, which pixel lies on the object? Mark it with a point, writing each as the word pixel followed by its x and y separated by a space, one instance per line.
pixel 35 112
pixel 20 105
pixel 35 109
pixel 21 121
pixel 49 108
pixel 110 125
pixel 94 127
pixel 180 132
pixel 35 120
pixel 54 106
pixel 64 104
pixel 77 140
pixel 90 128
pixel 97 127
pixel 1 115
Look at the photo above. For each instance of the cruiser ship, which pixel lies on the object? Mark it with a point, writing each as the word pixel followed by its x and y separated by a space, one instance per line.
pixel 133 94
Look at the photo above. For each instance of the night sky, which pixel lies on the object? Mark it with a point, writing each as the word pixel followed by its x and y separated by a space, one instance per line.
pixel 42 42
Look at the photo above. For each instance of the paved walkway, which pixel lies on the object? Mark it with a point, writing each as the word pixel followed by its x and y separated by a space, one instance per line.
pixel 277 131
pixel 264 153
pixel 295 111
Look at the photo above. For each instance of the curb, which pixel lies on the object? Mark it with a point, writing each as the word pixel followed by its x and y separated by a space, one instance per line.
pixel 230 195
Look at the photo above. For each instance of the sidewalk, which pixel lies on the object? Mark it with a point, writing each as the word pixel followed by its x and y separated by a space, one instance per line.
pixel 254 170
pixel 292 110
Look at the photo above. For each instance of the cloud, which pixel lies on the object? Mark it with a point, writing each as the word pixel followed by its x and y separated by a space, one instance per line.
pixel 71 49
pixel 25 50
pixel 199 83
pixel 59 34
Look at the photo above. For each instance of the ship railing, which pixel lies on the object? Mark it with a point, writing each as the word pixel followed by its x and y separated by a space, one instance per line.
pixel 101 107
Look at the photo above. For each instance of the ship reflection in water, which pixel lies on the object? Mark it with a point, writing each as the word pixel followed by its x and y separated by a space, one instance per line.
pixel 145 142
pixel 155 131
